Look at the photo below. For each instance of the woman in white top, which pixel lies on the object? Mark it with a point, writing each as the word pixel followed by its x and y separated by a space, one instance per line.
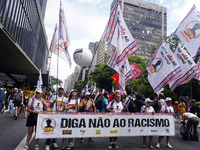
pixel 35 105
pixel 167 108
pixel 72 106
pixel 147 109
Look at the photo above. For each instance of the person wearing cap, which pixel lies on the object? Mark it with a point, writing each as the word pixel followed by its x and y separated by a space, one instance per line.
pixel 167 108
pixel 58 103
pixel 2 96
pixel 147 108
pixel 115 106
pixel 193 120
pixel 72 106
pixel 35 106
pixel 87 105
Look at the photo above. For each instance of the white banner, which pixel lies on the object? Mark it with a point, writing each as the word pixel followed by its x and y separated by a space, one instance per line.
pixel 77 125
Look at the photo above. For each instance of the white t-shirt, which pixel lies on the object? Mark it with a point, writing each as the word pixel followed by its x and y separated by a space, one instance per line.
pixel 61 101
pixel 35 104
pixel 167 109
pixel 72 102
pixel 148 109
pixel 189 115
pixel 117 106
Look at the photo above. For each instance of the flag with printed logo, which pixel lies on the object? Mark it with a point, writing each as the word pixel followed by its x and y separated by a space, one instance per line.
pixel 163 68
pixel 118 34
pixel 188 67
pixel 63 38
pixel 189 32
pixel 198 70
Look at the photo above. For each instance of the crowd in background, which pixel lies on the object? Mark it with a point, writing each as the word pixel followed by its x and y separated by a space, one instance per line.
pixel 19 102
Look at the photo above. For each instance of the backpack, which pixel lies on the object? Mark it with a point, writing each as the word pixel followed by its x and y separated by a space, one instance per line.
pixel 132 107
pixel 99 103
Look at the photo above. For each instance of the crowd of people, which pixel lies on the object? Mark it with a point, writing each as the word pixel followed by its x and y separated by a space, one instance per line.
pixel 128 101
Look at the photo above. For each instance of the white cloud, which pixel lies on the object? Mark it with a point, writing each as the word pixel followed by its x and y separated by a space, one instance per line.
pixel 162 1
pixel 90 1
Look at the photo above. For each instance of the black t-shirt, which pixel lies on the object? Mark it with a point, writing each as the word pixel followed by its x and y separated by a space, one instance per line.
pixel 193 109
pixel 12 95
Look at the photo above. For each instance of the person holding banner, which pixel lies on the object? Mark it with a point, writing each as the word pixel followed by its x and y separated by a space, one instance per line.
pixel 167 108
pixel 147 108
pixel 87 105
pixel 58 103
pixel 193 120
pixel 35 105
pixel 115 106
pixel 72 106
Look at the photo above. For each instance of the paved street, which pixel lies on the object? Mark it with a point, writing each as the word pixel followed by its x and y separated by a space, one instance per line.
pixel 13 132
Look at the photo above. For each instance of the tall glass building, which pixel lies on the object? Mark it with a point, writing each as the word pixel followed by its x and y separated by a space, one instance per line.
pixel 23 41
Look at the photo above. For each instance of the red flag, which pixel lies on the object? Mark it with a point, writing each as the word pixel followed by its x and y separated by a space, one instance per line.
pixel 115 77
pixel 136 70
pixel 136 73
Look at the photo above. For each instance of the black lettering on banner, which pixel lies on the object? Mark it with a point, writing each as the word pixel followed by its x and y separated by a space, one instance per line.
pixel 165 58
pixel 92 123
pixel 181 58
pixel 147 123
pixel 144 122
pixel 159 122
pixel 137 123
pixel 63 123
pixel 152 122
pixel 167 123
pixel 74 123
pixel 107 123
pixel 82 123
pixel 122 122
pixel 116 123
pixel 130 122
pixel 100 123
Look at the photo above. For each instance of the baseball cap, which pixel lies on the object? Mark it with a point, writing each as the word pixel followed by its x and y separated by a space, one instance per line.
pixel 117 91
pixel 61 88
pixel 101 93
pixel 73 90
pixel 39 91
pixel 147 100
pixel 168 99
pixel 87 94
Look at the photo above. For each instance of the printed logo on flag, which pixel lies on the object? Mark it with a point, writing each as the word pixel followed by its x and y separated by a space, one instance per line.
pixel 48 125
pixel 192 30
pixel 64 132
pixel 156 65
pixel 113 131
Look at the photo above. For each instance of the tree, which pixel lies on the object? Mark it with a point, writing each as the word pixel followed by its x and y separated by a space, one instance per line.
pixel 79 85
pixel 102 75
pixel 54 81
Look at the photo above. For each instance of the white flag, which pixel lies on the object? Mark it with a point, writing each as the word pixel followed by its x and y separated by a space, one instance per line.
pixel 188 67
pixel 162 68
pixel 189 32
pixel 118 34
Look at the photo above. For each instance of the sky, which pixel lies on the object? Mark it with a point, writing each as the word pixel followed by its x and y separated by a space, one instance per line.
pixel 86 21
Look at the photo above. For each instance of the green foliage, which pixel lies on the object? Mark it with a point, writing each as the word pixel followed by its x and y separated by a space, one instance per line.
pixel 102 75
pixel 79 85
pixel 54 81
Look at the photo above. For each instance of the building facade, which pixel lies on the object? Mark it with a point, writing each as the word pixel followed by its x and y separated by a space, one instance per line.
pixel 23 42
pixel 147 23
